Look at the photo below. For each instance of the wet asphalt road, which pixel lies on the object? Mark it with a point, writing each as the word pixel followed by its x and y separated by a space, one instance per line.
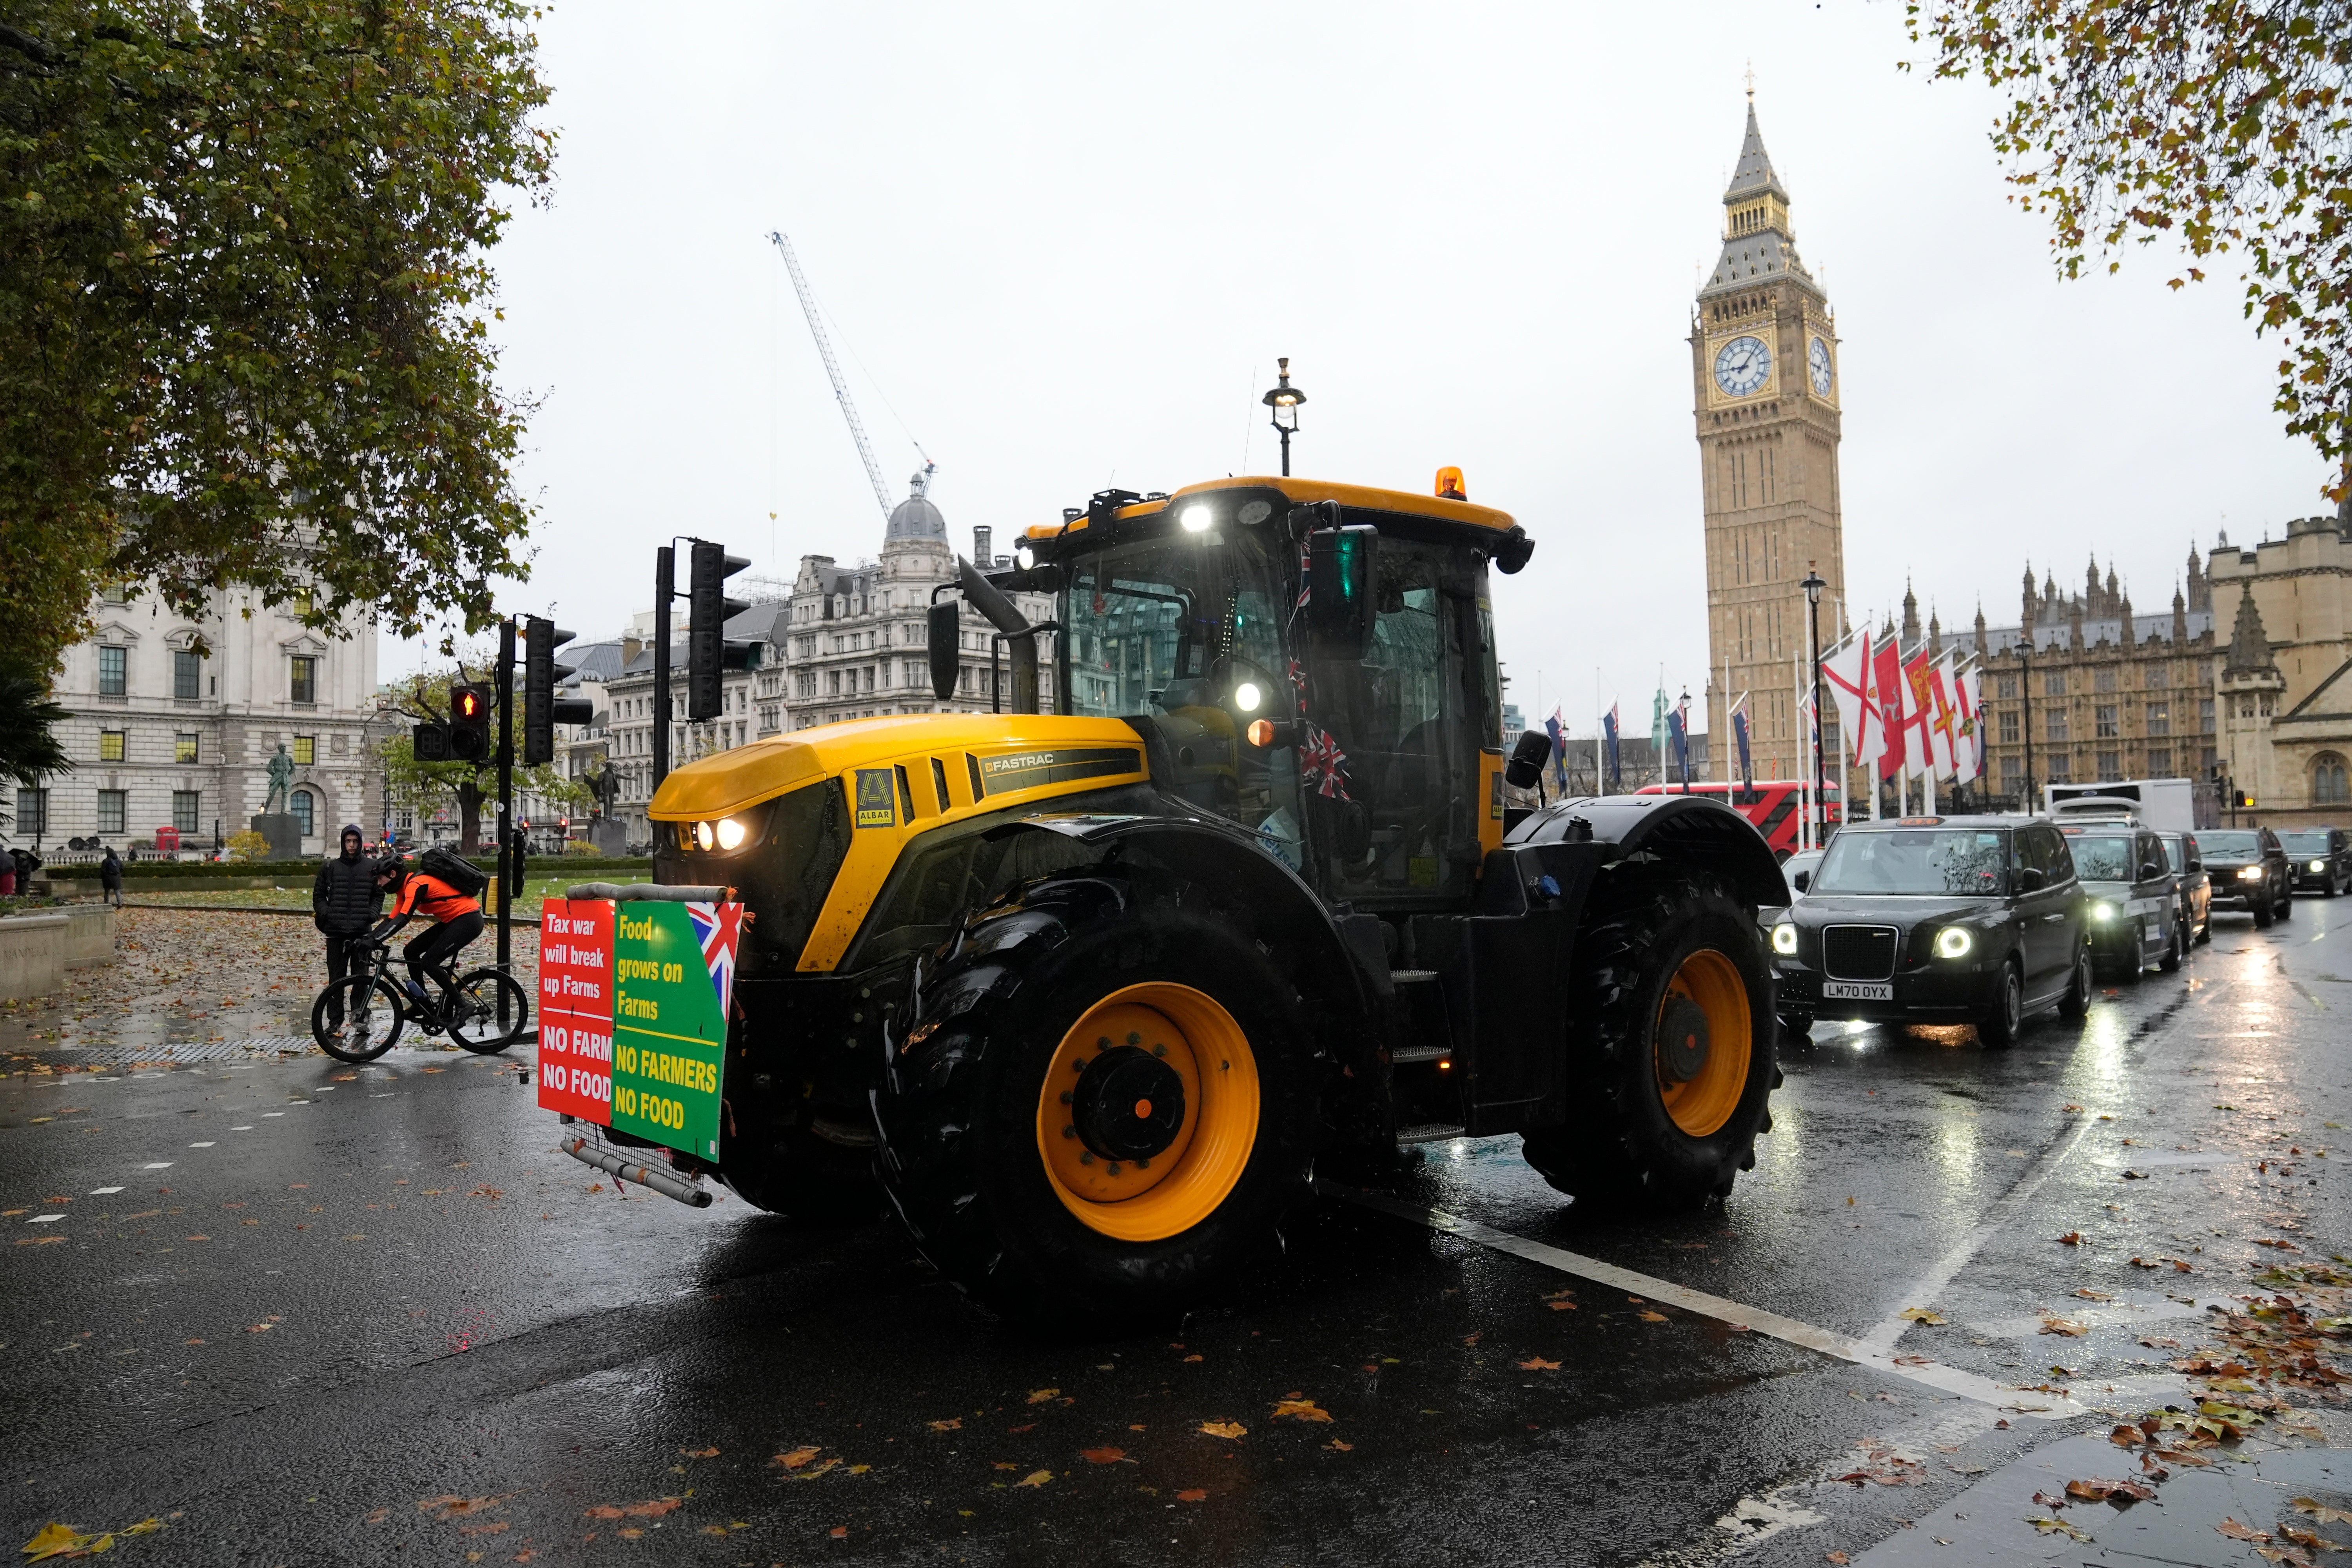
pixel 307 1314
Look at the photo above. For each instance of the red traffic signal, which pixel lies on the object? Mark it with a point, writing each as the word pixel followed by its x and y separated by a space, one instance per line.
pixel 469 723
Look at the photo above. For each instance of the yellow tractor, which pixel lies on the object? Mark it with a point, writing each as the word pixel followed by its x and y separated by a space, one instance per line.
pixel 1085 995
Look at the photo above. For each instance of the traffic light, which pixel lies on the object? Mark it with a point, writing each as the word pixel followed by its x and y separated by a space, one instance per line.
pixel 429 741
pixel 707 651
pixel 469 723
pixel 542 708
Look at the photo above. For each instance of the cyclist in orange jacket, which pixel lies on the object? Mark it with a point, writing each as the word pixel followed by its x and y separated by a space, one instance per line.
pixel 458 919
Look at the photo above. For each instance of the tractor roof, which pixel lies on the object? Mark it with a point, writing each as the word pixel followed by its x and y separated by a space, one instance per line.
pixel 1302 491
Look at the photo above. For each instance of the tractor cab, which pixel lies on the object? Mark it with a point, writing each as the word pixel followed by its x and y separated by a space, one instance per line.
pixel 1315 663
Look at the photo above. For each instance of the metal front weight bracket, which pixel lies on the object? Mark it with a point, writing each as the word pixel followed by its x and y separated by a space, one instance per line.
pixel 667 1182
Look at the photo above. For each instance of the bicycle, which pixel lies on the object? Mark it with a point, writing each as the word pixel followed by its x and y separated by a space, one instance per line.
pixel 485 1011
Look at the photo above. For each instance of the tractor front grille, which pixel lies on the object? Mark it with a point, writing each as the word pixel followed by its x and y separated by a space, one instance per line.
pixel 1858 952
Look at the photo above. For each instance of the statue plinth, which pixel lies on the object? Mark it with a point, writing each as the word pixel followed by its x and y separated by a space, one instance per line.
pixel 283 831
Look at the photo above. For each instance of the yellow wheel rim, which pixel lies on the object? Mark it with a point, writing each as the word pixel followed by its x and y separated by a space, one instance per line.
pixel 1702 1077
pixel 1187 1033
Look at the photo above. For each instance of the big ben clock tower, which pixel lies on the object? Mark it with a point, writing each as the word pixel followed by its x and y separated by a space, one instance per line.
pixel 1764 367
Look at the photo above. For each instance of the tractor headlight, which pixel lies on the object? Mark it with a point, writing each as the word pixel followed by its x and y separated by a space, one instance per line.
pixel 2319 864
pixel 2250 873
pixel 1784 938
pixel 730 833
pixel 1024 557
pixel 1955 942
pixel 2103 911
pixel 1196 517
pixel 703 834
pixel 1246 696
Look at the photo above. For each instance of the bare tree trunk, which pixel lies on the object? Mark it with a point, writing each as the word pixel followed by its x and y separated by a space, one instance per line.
pixel 469 818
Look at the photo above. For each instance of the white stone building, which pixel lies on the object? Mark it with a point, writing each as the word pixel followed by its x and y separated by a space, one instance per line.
pixel 164 736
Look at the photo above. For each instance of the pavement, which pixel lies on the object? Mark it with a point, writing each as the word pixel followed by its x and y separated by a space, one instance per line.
pixel 292 1312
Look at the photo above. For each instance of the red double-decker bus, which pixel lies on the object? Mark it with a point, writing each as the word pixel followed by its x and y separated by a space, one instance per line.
pixel 1771 804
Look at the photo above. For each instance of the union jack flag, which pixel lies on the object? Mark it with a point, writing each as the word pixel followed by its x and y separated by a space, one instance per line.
pixel 1298 684
pixel 1320 762
pixel 1304 588
pixel 718 927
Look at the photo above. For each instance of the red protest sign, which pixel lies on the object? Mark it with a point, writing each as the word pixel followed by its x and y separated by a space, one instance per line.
pixel 575 1008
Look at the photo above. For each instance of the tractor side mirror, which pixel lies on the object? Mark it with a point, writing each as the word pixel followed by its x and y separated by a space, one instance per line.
pixel 1343 581
pixel 1524 770
pixel 946 637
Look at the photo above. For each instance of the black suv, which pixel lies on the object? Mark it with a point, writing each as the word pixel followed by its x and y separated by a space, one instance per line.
pixel 1938 919
pixel 2135 915
pixel 2321 860
pixel 2250 871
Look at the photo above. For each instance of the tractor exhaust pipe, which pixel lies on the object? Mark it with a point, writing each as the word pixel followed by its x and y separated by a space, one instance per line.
pixel 668 1184
pixel 1020 636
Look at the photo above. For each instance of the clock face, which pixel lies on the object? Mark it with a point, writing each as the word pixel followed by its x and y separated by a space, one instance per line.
pixel 1742 366
pixel 1817 360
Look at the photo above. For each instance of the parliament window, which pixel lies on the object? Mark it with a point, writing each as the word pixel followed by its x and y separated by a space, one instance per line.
pixel 113 671
pixel 305 751
pixel 187 674
pixel 2062 768
pixel 2009 727
pixel 2006 686
pixel 2329 784
pixel 2057 725
pixel 2159 677
pixel 2205 715
pixel 183 748
pixel 110 809
pixel 186 804
pixel 2104 679
pixel 2159 718
pixel 2159 764
pixel 2053 683
pixel 303 684
pixel 2104 720
pixel 2111 764
pixel 110 746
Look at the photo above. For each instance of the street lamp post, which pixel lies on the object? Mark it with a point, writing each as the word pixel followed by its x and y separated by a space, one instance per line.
pixel 1814 584
pixel 1285 399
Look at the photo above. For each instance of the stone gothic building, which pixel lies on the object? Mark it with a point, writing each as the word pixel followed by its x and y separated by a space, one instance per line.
pixel 2284 687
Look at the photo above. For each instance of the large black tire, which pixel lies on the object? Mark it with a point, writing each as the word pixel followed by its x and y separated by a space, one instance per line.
pixel 809 1177
pixel 2076 1001
pixel 2286 902
pixel 1997 1029
pixel 961 1111
pixel 2265 911
pixel 2175 947
pixel 1622 1146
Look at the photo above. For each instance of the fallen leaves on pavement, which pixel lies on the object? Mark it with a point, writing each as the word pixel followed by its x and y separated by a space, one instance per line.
pixel 2053 1324
pixel 1233 1429
pixel 1035 1478
pixel 450 1506
pixel 2072 1239
pixel 653 1510
pixel 2054 1526
pixel 798 1457
pixel 2097 1490
pixel 66 1540
pixel 1538 1363
pixel 1299 1407
pixel 1102 1455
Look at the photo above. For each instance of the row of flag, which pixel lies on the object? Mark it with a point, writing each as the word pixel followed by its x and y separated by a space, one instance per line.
pixel 1915 718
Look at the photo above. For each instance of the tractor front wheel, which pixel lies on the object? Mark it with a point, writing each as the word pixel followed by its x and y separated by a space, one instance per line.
pixel 1672 1029
pixel 1103 1105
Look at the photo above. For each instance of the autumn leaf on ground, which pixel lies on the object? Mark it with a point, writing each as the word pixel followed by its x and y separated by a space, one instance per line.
pixel 797 1457
pixel 2142 1263
pixel 1035 1478
pixel 449 1506
pixel 1233 1429
pixel 653 1510
pixel 2072 1239
pixel 1193 1494
pixel 1562 1306
pixel 700 1453
pixel 1039 1395
pixel 2100 1490
pixel 953 1423
pixel 1342 1446
pixel 1538 1363
pixel 2236 1532
pixel 1300 1408
pixel 814 1471
pixel 57 1540
pixel 2274 1241
pixel 1474 1339
pixel 1922 1315
pixel 1835 1557
pixel 2090 1295
pixel 1102 1455
pixel 2321 1511
pixel 1647 1316
pixel 2053 1324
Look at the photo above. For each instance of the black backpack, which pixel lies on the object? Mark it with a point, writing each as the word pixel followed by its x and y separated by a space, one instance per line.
pixel 455 870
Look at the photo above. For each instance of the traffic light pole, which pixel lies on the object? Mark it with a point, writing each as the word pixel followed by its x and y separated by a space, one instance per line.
pixel 506 798
pixel 665 585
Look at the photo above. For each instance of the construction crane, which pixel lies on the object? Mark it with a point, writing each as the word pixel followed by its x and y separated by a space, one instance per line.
pixel 832 369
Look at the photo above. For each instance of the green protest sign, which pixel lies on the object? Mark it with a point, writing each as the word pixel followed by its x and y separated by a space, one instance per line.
pixel 673 967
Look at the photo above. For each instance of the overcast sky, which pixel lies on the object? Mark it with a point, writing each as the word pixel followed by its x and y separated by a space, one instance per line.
pixel 1062 247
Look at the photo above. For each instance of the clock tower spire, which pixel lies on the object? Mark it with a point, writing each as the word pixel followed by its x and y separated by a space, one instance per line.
pixel 1764 372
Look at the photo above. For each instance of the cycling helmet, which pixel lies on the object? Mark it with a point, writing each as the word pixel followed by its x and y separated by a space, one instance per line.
pixel 393 871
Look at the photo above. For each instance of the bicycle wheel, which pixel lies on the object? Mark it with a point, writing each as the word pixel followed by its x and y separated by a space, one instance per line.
pixel 370 1014
pixel 473 1010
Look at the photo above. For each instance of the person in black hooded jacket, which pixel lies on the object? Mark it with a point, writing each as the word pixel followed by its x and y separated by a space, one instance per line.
pixel 344 903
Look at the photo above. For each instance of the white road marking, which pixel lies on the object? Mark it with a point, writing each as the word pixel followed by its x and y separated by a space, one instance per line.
pixel 1790 1331
pixel 102 1191
pixel 206 1145
pixel 157 1165
pixel 273 1113
pixel 44 1219
pixel 246 1127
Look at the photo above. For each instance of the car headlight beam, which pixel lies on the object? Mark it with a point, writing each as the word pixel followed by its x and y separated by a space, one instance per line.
pixel 2103 911
pixel 2319 864
pixel 2250 873
pixel 1955 942
pixel 1784 938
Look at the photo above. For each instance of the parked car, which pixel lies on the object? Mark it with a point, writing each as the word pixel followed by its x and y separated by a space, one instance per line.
pixel 2321 860
pixel 2195 886
pixel 2135 913
pixel 1950 919
pixel 2250 872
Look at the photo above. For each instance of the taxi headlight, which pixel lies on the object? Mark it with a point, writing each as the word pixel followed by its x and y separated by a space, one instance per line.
pixel 2103 910
pixel 1784 938
pixel 2250 873
pixel 1955 942
pixel 730 833
pixel 2319 864
pixel 703 834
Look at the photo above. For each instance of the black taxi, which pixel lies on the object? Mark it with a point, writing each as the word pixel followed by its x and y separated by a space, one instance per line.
pixel 2135 913
pixel 1938 919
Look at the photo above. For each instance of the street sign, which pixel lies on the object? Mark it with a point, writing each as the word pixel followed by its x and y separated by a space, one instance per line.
pixel 575 1008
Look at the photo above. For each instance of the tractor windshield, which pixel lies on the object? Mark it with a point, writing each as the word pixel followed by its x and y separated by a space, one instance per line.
pixel 1183 629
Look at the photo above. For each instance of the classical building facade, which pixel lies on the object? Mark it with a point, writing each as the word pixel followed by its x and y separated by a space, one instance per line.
pixel 1764 372
pixel 175 720
pixel 2284 688
pixel 2085 687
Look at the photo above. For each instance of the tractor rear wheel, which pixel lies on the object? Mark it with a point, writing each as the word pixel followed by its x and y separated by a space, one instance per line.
pixel 1103 1105
pixel 1671 1028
